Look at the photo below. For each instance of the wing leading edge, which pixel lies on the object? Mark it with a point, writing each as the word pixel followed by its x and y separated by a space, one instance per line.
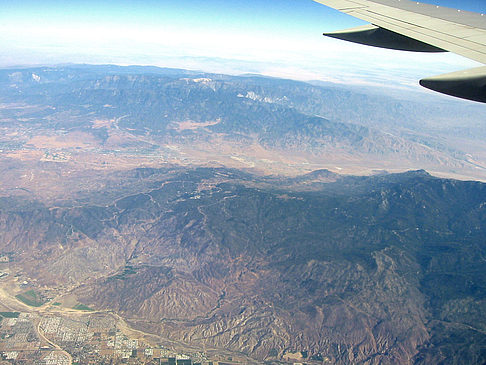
pixel 412 26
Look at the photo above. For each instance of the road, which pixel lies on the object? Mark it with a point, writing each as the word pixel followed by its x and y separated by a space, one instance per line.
pixel 56 346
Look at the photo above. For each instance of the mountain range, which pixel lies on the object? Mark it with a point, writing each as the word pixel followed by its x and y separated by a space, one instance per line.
pixel 228 213
pixel 252 122
pixel 382 269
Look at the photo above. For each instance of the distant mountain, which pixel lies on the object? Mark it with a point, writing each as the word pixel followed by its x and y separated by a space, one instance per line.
pixel 220 115
pixel 382 269
pixel 208 210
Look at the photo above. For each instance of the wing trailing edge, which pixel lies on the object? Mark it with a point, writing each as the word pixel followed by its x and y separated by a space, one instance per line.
pixel 415 26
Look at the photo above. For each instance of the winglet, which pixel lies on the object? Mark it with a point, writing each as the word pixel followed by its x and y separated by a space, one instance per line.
pixel 468 84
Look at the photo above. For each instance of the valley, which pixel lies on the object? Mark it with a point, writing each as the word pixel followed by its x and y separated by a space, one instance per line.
pixel 111 118
pixel 154 215
pixel 265 266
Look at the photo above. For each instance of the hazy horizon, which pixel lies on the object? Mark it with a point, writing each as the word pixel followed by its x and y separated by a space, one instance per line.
pixel 273 38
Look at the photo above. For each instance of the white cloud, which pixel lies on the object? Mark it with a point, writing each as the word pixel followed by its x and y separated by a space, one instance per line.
pixel 304 56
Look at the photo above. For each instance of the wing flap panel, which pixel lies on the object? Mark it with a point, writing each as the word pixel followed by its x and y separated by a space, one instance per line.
pixel 463 33
pixel 439 37
pixel 408 25
pixel 372 35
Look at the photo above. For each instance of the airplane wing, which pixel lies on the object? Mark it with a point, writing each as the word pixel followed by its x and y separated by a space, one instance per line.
pixel 413 26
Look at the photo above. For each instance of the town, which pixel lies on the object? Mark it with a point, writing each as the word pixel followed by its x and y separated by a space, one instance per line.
pixel 28 338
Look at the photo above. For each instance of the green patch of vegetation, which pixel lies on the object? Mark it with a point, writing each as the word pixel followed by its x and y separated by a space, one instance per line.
pixel 82 307
pixel 31 298
pixel 10 314
pixel 57 304
pixel 127 270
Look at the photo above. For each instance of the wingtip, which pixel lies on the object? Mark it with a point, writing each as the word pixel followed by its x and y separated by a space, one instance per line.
pixel 468 84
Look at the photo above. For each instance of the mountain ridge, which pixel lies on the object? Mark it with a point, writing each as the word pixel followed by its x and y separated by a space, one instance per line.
pixel 237 121
pixel 352 277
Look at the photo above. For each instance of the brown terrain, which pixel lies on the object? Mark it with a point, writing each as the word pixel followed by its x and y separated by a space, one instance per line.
pixel 231 224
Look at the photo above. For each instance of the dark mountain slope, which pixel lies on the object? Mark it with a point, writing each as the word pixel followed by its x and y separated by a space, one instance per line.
pixel 384 269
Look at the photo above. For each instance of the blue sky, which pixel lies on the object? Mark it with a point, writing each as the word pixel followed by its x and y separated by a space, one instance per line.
pixel 273 37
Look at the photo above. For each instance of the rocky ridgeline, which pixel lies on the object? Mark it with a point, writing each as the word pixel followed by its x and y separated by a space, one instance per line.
pixel 180 107
pixel 382 269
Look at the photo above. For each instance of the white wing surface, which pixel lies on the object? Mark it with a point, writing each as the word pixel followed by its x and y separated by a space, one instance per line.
pixel 413 26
